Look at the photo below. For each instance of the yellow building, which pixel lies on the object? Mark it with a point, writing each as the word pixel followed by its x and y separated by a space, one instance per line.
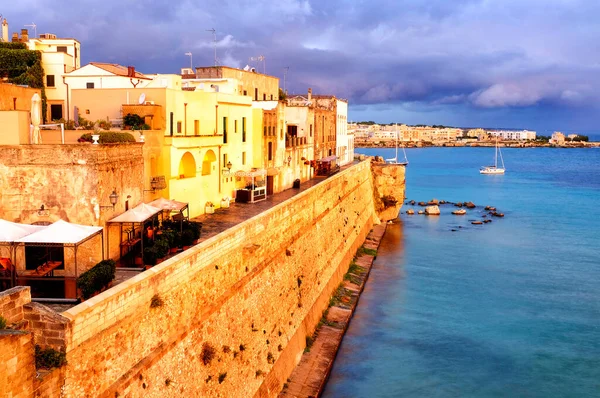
pixel 200 139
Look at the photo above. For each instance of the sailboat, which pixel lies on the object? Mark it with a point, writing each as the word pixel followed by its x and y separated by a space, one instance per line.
pixel 494 169
pixel 394 160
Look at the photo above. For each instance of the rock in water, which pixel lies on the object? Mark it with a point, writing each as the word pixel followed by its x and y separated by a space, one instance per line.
pixel 470 205
pixel 476 222
pixel 432 210
pixel 410 211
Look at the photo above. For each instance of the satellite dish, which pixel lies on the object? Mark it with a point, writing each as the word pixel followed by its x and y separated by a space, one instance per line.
pixel 142 98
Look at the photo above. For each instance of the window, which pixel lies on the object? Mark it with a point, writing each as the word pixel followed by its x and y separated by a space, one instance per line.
pixel 171 123
pixel 270 151
pixel 311 130
pixel 243 158
pixel 243 129
pixel 50 81
pixel 255 94
pixel 235 126
pixel 264 97
pixel 265 131
pixel 224 160
pixel 61 49
pixel 245 92
pixel 196 127
pixel 89 85
pixel 225 131
pixel 178 127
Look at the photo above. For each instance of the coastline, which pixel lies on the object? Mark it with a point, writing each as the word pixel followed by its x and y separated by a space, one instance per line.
pixel 310 375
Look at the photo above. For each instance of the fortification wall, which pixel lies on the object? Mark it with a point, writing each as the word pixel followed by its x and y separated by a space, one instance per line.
pixel 250 295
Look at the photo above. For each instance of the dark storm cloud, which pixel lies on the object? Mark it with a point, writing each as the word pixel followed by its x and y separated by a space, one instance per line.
pixel 426 55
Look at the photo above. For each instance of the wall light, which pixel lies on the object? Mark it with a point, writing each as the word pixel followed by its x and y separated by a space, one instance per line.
pixel 114 198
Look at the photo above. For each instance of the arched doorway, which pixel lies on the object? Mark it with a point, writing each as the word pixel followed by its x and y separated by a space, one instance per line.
pixel 187 166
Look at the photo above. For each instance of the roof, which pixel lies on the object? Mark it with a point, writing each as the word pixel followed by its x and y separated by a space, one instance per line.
pixel 140 213
pixel 166 204
pixel 118 70
pixel 61 232
pixel 11 231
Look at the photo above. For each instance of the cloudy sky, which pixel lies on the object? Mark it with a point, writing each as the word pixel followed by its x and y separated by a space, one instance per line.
pixel 496 63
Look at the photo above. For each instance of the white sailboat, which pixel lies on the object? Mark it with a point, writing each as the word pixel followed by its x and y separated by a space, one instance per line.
pixel 494 169
pixel 394 160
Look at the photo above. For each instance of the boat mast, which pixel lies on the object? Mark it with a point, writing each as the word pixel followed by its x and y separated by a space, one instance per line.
pixel 496 154
pixel 396 142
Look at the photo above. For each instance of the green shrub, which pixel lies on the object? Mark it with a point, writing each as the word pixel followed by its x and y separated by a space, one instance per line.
pixel 222 377
pixel 104 124
pixel 134 121
pixel 187 238
pixel 145 127
pixel 108 138
pixel 3 322
pixel 169 236
pixel 161 245
pixel 49 358
pixel 69 124
pixel 13 45
pixel 150 256
pixel 96 278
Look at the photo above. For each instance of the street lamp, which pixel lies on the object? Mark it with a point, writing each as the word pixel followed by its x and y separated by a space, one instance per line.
pixel 114 198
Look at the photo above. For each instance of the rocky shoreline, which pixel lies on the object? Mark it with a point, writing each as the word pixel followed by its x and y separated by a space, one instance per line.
pixel 432 208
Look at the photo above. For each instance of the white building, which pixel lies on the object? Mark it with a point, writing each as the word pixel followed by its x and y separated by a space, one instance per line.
pixel 344 141
pixel 510 135
pixel 59 56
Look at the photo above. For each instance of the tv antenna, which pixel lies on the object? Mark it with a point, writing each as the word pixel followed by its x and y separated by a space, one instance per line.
pixel 34 26
pixel 189 53
pixel 214 33
pixel 285 72
pixel 263 59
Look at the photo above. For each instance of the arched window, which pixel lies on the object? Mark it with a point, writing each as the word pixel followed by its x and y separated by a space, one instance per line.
pixel 209 157
pixel 187 166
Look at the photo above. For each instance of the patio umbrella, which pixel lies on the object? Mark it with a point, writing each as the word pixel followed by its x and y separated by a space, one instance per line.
pixel 36 105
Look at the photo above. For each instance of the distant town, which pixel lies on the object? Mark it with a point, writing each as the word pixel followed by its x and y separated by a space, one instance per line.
pixel 370 134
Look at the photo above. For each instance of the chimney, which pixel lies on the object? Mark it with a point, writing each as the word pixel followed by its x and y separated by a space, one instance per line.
pixel 131 71
pixel 4 30
pixel 309 94
pixel 24 35
pixel 15 37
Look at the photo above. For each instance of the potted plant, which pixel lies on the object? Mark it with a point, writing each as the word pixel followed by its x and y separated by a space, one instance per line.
pixel 176 241
pixel 225 202
pixel 196 228
pixel 161 245
pixel 187 239
pixel 150 257
pixel 209 208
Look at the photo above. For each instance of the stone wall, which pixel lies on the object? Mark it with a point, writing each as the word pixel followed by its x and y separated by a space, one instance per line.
pixel 12 302
pixel 228 317
pixel 252 293
pixel 72 182
pixel 17 364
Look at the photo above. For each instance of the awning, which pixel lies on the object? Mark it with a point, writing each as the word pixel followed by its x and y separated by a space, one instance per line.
pixel 256 173
pixel 168 204
pixel 11 231
pixel 61 232
pixel 328 159
pixel 140 213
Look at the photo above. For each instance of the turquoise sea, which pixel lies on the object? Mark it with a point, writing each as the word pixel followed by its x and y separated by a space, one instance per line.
pixel 506 309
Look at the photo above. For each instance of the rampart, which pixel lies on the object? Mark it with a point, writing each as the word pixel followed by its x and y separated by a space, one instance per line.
pixel 230 316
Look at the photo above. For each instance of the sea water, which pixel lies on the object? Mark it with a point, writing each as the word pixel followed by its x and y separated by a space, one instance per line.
pixel 506 309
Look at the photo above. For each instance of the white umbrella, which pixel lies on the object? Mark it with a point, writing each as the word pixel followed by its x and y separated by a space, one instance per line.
pixel 36 112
